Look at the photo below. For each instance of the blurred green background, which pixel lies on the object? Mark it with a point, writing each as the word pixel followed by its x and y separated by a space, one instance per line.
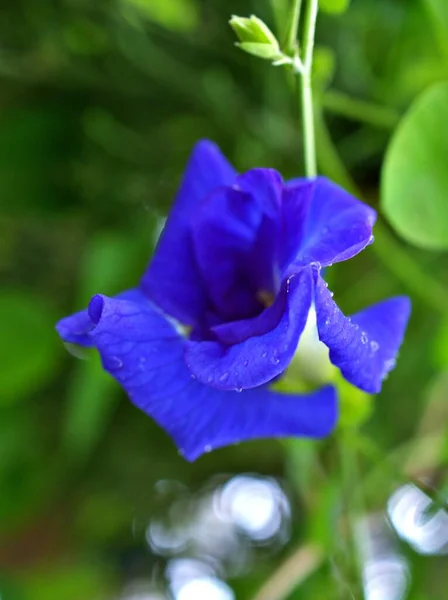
pixel 100 104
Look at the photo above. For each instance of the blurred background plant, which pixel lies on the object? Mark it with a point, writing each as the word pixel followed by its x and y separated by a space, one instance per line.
pixel 100 105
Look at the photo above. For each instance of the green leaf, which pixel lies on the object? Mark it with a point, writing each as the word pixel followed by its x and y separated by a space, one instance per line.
pixel 176 15
pixel 334 6
pixel 439 10
pixel 414 182
pixel 29 346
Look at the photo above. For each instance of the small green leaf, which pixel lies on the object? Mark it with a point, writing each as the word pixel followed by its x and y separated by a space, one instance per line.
pixel 415 178
pixel 256 38
pixel 334 6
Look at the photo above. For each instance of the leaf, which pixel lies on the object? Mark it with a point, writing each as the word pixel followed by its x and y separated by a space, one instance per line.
pixel 439 10
pixel 334 6
pixel 414 182
pixel 28 345
pixel 175 15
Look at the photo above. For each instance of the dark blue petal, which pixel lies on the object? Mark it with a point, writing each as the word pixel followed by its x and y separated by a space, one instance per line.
pixel 363 346
pixel 266 187
pixel 323 223
pixel 144 352
pixel 172 280
pixel 260 358
pixel 224 230
pixel 235 235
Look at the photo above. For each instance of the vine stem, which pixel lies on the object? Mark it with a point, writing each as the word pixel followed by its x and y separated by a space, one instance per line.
pixel 303 64
pixel 293 29
pixel 309 140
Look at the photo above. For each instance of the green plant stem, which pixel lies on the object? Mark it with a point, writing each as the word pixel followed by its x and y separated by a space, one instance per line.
pixel 291 573
pixel 290 47
pixel 353 510
pixel 309 142
pixel 360 110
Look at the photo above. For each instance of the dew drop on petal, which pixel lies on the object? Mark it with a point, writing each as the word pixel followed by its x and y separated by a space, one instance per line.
pixel 264 355
pixel 208 448
pixel 364 338
pixel 246 362
pixel 224 376
pixel 374 346
pixel 390 364
pixel 238 389
pixel 116 362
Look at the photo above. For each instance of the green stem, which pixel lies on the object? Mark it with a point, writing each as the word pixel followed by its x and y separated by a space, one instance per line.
pixel 354 509
pixel 309 142
pixel 293 29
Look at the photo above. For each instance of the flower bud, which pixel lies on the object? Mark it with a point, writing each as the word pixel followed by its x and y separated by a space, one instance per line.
pixel 256 38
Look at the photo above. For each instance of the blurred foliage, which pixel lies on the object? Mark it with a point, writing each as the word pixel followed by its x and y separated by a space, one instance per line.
pixel 101 103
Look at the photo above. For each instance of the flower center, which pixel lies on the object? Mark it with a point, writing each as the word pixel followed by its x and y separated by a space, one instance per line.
pixel 266 298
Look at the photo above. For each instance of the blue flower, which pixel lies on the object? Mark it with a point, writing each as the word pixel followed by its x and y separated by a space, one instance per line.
pixel 222 305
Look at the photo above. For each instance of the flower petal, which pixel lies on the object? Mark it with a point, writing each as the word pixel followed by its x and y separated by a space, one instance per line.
pixel 224 230
pixel 363 346
pixel 75 328
pixel 172 279
pixel 144 352
pixel 323 223
pixel 258 359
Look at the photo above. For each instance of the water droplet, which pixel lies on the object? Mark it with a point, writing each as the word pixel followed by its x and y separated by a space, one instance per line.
pixel 390 364
pixel 116 363
pixel 364 338
pixel 224 376
pixel 238 389
pixel 264 355
pixel 332 294
pixel 208 448
pixel 374 346
pixel 192 376
pixel 246 362
pixel 275 360
pixel 327 322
